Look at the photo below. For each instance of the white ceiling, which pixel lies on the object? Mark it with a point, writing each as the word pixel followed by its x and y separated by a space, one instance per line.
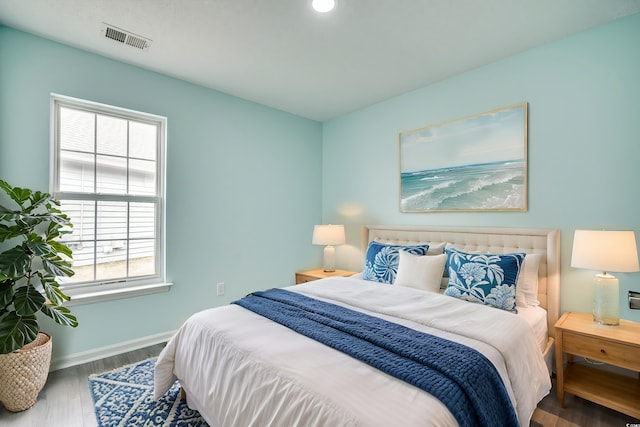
pixel 283 54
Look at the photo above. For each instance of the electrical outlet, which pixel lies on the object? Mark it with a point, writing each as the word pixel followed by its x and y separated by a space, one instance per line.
pixel 634 300
pixel 220 289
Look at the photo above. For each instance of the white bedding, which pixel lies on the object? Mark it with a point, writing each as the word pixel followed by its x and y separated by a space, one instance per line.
pixel 239 368
pixel 536 317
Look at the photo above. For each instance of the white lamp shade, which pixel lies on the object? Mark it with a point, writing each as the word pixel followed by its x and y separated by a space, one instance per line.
pixel 608 251
pixel 328 235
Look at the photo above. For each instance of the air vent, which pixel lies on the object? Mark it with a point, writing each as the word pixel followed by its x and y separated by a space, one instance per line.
pixel 125 37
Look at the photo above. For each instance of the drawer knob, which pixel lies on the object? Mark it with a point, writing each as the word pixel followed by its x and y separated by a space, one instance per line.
pixel 602 350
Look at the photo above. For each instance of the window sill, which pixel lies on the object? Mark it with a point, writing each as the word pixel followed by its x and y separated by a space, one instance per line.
pixel 81 298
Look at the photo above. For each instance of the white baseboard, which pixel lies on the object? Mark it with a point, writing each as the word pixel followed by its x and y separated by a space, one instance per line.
pixel 108 351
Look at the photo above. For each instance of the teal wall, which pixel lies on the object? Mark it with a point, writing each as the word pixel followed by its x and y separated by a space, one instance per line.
pixel 584 147
pixel 243 182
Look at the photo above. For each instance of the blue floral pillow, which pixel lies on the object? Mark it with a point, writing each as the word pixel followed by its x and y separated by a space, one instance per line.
pixel 485 278
pixel 381 263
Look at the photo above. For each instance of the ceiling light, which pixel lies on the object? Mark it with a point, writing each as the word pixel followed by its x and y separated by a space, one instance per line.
pixel 323 6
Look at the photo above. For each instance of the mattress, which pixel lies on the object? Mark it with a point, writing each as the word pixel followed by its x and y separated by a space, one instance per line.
pixel 536 317
pixel 239 368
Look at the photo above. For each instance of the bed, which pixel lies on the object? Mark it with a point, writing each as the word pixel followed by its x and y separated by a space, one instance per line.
pixel 238 367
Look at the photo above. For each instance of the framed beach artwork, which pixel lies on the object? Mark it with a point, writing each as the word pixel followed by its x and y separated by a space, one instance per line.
pixel 478 163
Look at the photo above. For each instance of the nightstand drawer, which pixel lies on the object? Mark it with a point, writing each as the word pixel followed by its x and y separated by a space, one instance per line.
pixel 302 278
pixel 319 273
pixel 619 354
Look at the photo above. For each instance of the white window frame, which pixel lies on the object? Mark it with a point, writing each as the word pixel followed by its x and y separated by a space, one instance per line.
pixel 104 290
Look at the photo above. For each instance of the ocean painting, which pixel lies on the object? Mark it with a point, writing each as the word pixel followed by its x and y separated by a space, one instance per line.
pixel 475 163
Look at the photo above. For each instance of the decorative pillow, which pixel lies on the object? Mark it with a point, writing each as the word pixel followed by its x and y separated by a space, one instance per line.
pixel 420 271
pixel 381 262
pixel 436 249
pixel 446 265
pixel 485 278
pixel 527 286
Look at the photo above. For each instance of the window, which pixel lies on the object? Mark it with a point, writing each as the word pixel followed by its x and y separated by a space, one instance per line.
pixel 108 174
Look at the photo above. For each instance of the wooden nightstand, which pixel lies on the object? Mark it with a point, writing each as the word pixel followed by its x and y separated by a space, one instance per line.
pixel 577 334
pixel 318 273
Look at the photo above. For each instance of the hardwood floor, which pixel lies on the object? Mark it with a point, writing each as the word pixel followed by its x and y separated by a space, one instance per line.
pixel 577 412
pixel 65 401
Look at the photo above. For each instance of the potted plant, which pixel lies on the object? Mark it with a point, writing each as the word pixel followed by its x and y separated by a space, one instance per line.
pixel 31 260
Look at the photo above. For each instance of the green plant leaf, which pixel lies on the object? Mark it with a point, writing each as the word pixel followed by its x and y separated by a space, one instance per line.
pixel 52 201
pixel 18 227
pixel 5 233
pixel 5 211
pixel 30 222
pixel 38 198
pixel 57 267
pixel 15 262
pixel 19 195
pixel 6 291
pixel 16 331
pixel 60 248
pixel 60 314
pixel 53 292
pixel 9 232
pixel 38 246
pixel 28 301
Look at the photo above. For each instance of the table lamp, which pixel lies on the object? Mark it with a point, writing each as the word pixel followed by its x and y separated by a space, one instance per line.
pixel 605 251
pixel 329 235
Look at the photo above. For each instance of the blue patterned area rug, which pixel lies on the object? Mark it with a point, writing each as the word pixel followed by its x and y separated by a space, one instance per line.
pixel 124 397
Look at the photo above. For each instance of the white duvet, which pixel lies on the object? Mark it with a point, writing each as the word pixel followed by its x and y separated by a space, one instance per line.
pixel 241 369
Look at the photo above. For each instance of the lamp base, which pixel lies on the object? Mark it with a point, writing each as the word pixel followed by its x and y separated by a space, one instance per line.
pixel 606 303
pixel 329 259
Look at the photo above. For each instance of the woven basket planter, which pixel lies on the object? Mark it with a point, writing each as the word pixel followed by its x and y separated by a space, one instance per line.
pixel 23 374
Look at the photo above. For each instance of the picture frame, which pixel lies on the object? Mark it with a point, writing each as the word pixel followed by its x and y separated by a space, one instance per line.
pixel 477 163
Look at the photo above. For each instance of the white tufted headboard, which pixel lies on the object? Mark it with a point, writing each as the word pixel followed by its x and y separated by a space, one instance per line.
pixel 494 240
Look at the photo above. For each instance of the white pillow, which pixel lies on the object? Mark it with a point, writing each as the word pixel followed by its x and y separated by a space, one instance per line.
pixel 420 271
pixel 527 285
pixel 436 249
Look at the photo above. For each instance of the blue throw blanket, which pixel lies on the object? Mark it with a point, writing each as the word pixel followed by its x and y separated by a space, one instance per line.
pixel 463 379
